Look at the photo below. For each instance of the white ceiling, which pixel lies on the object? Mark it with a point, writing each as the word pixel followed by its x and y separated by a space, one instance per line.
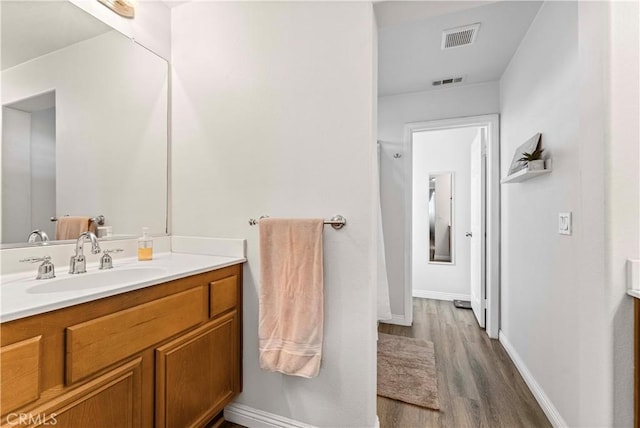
pixel 409 36
pixel 34 28
pixel 410 33
pixel 390 13
pixel 174 3
pixel 34 104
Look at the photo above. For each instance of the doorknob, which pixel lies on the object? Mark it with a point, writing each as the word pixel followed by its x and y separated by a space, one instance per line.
pixel 468 234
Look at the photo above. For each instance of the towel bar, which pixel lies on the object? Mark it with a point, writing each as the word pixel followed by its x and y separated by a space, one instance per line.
pixel 99 220
pixel 337 221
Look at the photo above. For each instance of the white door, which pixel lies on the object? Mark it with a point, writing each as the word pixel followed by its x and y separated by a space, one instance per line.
pixel 477 233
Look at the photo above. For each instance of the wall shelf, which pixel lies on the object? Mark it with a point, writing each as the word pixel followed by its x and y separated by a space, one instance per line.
pixel 524 175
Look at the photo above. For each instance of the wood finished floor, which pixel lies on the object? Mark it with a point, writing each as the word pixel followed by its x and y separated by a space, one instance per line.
pixel 227 424
pixel 478 385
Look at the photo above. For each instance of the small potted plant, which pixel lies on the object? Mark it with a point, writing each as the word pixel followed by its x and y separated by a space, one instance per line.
pixel 533 161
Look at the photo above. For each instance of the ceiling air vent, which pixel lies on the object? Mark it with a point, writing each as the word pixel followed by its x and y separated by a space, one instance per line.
pixel 444 82
pixel 460 36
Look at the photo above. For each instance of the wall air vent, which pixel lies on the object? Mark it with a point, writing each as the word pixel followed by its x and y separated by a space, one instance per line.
pixel 444 82
pixel 460 36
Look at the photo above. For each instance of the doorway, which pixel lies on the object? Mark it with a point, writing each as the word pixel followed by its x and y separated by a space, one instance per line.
pixel 29 164
pixel 463 253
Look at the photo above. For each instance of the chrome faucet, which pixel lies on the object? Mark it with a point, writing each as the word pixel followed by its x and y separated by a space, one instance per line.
pixel 78 263
pixel 46 270
pixel 33 236
pixel 106 261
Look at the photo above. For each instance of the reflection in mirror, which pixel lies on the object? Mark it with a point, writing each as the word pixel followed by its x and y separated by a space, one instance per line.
pixel 28 168
pixel 441 217
pixel 84 123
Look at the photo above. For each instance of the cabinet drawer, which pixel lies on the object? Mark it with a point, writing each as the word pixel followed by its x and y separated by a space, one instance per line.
pixel 223 295
pixel 20 373
pixel 98 343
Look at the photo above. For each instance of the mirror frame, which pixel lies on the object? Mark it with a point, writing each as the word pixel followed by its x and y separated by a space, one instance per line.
pixel 452 214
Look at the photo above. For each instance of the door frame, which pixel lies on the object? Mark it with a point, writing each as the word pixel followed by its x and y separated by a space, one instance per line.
pixel 492 203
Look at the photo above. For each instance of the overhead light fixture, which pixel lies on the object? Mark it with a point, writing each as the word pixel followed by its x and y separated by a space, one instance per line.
pixel 459 36
pixel 121 7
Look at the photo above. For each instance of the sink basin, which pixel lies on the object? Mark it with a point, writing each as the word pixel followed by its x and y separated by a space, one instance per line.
pixel 24 296
pixel 91 280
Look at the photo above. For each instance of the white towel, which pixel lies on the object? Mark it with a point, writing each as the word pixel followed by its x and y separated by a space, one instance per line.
pixel 68 227
pixel 291 296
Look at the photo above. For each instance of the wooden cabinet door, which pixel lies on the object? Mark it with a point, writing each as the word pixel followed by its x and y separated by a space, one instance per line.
pixel 198 374
pixel 110 400
pixel 20 366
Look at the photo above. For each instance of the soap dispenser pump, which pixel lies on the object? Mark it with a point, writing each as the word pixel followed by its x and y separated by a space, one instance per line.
pixel 145 246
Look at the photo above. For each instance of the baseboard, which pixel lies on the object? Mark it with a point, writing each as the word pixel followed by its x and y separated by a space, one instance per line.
pixel 402 320
pixel 545 403
pixel 438 295
pixel 397 320
pixel 254 418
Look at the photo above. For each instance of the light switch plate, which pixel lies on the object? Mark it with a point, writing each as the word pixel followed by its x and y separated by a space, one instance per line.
pixel 564 223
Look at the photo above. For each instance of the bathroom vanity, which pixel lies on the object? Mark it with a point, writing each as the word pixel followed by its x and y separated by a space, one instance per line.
pixel 165 354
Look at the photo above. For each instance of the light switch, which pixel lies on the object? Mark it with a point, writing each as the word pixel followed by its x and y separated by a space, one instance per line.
pixel 564 223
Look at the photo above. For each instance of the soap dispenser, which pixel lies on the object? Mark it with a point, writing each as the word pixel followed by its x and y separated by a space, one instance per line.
pixel 145 246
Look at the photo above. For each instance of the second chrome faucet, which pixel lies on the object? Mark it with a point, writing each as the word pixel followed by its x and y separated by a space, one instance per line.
pixel 78 263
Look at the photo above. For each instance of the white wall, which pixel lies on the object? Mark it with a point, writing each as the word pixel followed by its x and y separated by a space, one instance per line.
pixel 16 169
pixel 261 125
pixel 43 170
pixel 564 311
pixel 393 113
pixel 28 169
pixel 436 152
pixel 623 190
pixel 111 133
pixel 539 92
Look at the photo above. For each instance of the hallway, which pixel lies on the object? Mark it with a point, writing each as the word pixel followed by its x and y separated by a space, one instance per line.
pixel 478 385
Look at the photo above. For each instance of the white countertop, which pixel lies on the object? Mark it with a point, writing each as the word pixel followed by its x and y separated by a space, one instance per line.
pixel 21 295
pixel 633 293
pixel 633 278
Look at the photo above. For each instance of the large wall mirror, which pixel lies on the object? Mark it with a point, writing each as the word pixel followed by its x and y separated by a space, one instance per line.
pixel 441 217
pixel 84 123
